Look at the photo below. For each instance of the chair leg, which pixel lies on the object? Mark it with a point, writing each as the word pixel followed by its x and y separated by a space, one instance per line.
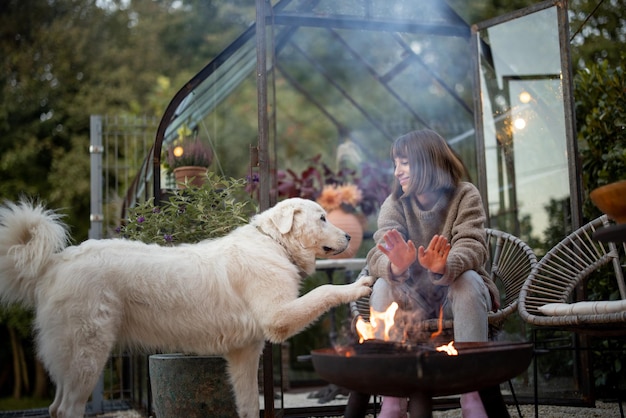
pixel 493 402
pixel 519 411
pixel 357 405
pixel 618 393
pixel 535 374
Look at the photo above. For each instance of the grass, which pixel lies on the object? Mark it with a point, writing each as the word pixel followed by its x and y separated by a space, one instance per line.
pixel 12 404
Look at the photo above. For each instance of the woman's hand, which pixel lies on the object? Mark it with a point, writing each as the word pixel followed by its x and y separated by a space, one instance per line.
pixel 401 253
pixel 435 256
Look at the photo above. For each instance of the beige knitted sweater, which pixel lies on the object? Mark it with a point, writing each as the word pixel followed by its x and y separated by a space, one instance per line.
pixel 458 215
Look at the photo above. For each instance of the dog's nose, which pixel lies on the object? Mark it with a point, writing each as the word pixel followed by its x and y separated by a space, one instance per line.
pixel 348 237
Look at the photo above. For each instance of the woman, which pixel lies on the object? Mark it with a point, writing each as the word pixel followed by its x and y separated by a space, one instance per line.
pixel 431 250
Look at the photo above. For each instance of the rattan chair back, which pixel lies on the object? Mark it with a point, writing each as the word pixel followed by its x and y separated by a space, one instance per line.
pixel 567 265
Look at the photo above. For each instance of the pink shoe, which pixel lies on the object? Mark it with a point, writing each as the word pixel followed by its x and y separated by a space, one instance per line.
pixel 393 408
pixel 472 406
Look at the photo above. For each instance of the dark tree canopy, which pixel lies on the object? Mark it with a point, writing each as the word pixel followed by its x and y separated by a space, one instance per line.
pixel 64 60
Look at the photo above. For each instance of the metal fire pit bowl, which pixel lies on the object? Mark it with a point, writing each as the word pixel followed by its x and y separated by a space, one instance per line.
pixel 422 373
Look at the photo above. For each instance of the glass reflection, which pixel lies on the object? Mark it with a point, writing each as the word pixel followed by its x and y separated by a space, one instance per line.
pixel 523 119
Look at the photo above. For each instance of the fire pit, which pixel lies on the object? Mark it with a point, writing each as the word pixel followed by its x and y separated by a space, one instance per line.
pixel 420 372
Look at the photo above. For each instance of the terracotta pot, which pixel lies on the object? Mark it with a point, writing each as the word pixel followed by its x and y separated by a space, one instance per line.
pixel 351 224
pixel 610 200
pixel 195 174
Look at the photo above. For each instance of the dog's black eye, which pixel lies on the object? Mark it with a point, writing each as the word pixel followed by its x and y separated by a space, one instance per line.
pixel 323 218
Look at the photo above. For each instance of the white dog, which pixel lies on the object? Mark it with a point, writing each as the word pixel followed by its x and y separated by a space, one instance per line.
pixel 225 296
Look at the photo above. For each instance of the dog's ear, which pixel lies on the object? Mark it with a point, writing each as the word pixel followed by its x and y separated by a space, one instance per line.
pixel 283 219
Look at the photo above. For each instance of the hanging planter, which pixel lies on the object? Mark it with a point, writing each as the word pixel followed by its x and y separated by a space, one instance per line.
pixel 189 174
pixel 188 159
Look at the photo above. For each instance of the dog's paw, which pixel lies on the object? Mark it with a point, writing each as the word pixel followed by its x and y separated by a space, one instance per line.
pixel 366 281
pixel 364 285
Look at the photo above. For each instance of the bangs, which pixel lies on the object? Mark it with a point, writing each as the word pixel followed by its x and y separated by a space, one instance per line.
pixel 400 148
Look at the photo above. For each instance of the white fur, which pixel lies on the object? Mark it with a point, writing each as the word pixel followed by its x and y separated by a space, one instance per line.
pixel 224 296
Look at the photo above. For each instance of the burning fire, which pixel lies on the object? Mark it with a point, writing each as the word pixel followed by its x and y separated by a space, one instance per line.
pixel 368 330
pixel 448 348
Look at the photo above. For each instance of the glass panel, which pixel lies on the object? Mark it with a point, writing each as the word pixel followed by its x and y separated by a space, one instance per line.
pixel 373 86
pixel 423 11
pixel 523 118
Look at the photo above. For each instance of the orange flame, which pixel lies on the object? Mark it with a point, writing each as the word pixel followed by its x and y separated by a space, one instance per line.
pixel 439 325
pixel 367 330
pixel 448 348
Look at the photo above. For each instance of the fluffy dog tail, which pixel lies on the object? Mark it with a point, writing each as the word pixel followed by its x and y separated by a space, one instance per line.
pixel 29 236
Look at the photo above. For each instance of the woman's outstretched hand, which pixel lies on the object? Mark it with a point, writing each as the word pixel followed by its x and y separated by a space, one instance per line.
pixel 435 256
pixel 401 253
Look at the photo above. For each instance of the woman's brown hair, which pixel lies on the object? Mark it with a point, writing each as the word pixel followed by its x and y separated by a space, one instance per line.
pixel 433 164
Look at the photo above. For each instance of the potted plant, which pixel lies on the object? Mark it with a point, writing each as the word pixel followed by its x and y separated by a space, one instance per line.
pixel 188 158
pixel 185 384
pixel 191 215
pixel 373 181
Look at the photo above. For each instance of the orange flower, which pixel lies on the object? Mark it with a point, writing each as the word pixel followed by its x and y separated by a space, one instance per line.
pixel 329 198
pixel 350 195
pixel 333 196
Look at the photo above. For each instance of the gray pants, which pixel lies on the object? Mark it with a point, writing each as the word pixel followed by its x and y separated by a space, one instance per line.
pixel 467 303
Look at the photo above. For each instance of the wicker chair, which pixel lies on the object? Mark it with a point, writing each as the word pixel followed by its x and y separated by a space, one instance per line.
pixel 511 260
pixel 546 296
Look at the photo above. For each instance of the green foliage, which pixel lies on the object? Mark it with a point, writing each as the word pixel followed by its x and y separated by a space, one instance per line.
pixel 11 404
pixel 601 121
pixel 192 214
pixel 597 28
pixel 18 318
pixel 65 60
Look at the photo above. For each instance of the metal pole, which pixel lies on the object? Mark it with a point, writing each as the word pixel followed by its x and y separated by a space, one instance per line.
pixel 264 178
pixel 95 151
pixel 96 218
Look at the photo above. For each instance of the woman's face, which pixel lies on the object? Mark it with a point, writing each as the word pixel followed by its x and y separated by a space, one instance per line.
pixel 402 171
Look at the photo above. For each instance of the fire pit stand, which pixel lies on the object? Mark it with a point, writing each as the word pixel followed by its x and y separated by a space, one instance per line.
pixel 422 374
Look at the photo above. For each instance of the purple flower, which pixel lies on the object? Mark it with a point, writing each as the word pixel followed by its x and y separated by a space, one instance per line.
pixel 140 219
pixel 168 238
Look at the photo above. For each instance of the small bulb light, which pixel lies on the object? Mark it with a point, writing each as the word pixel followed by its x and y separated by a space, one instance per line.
pixel 525 97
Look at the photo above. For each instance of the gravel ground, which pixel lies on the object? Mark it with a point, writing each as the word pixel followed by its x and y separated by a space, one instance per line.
pixel 601 410
pixel 306 398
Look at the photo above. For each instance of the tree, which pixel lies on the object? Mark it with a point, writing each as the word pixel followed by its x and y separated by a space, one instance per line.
pixel 601 122
pixel 598 31
pixel 63 60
